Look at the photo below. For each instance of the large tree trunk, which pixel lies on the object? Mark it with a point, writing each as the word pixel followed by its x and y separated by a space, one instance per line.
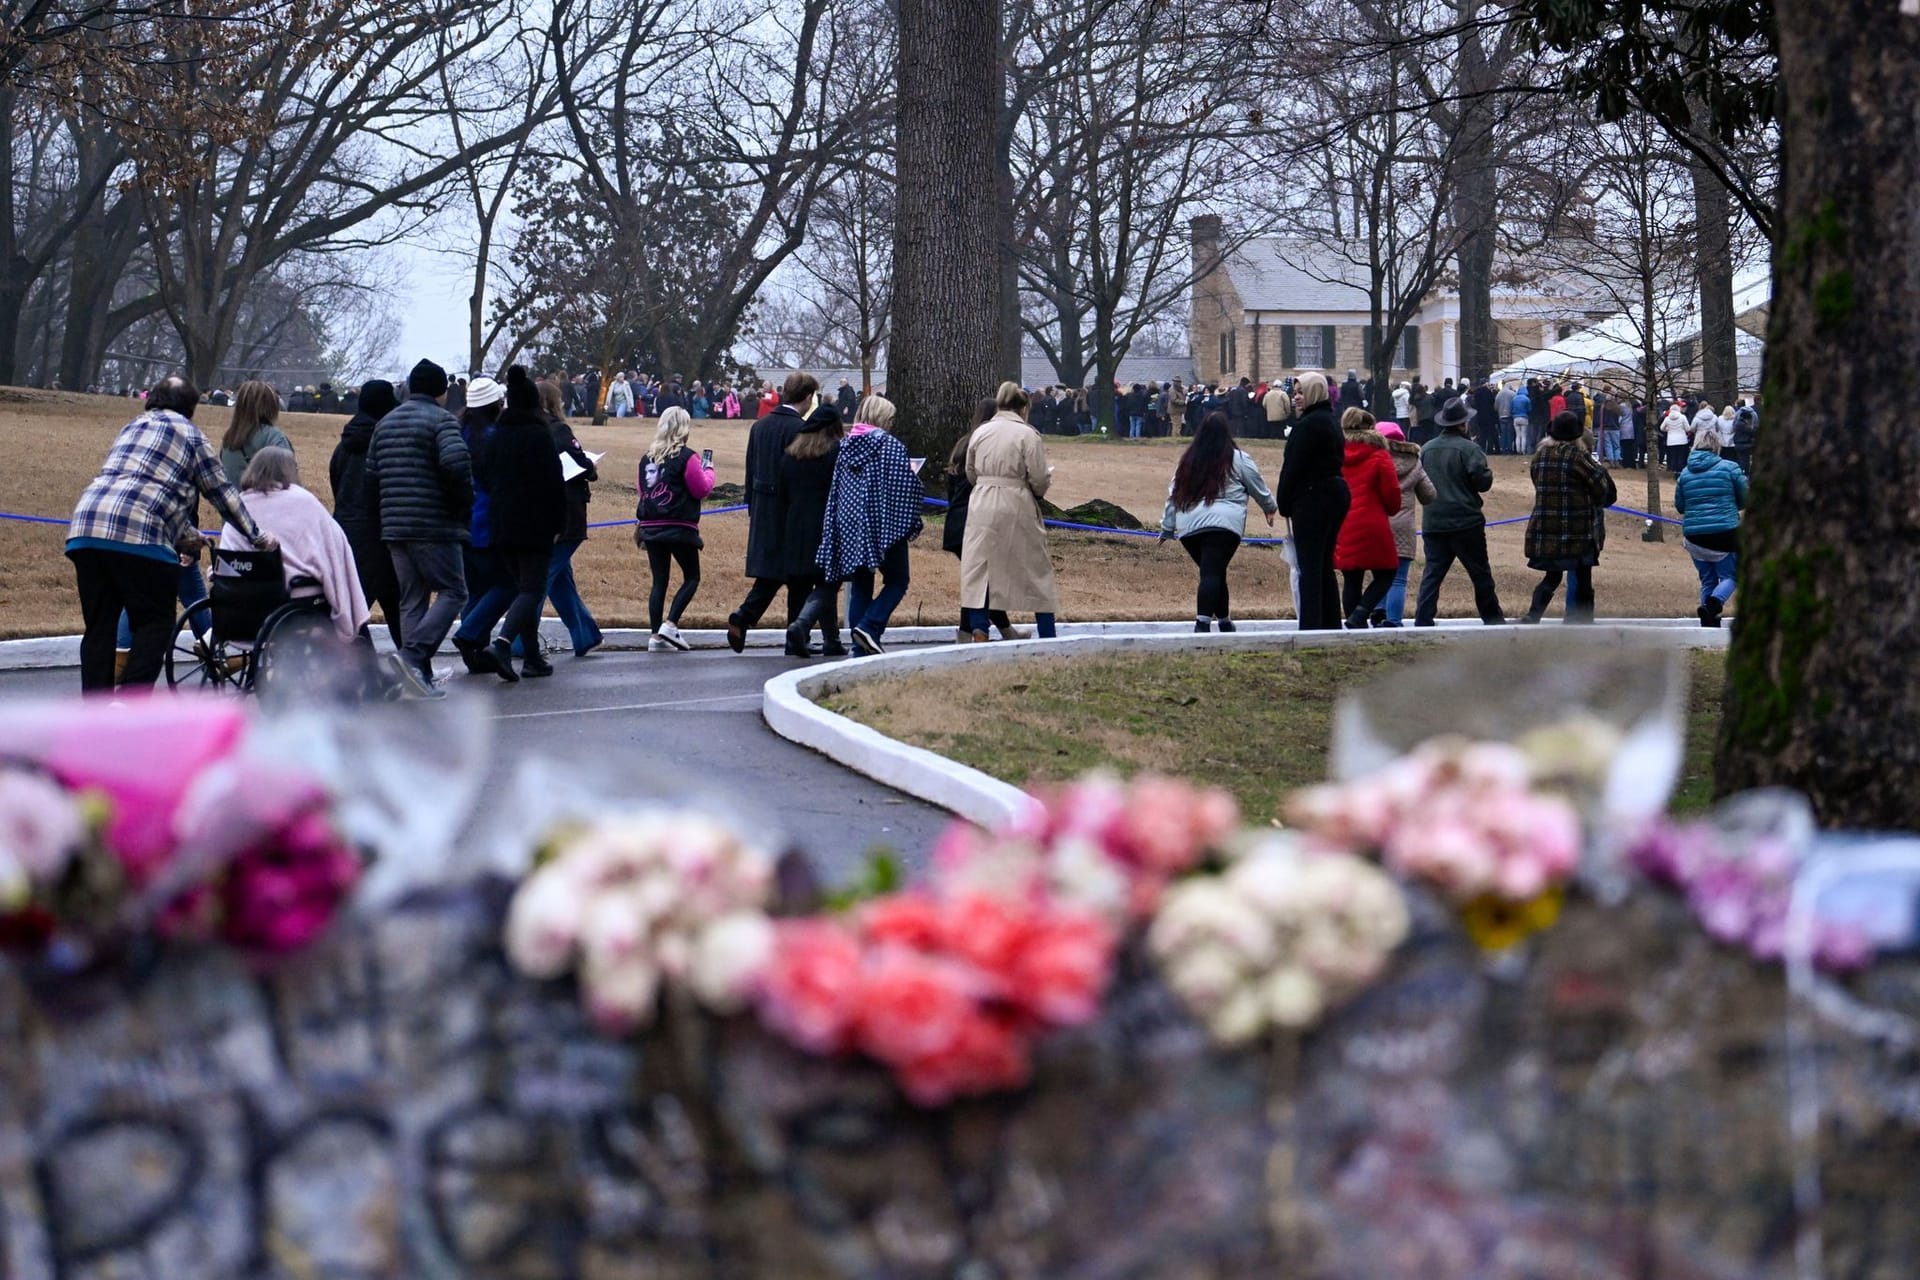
pixel 1475 208
pixel 1719 356
pixel 947 266
pixel 1822 692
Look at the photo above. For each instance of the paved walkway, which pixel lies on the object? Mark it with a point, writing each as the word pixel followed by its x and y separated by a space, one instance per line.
pixel 673 720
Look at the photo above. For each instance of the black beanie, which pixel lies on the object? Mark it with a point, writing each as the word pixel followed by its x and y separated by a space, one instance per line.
pixel 521 391
pixel 377 399
pixel 427 379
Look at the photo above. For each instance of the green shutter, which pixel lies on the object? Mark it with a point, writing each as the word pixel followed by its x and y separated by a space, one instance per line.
pixel 1326 346
pixel 1410 348
pixel 1287 349
pixel 1367 335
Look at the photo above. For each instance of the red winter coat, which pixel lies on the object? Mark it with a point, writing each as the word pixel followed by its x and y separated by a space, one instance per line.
pixel 1366 538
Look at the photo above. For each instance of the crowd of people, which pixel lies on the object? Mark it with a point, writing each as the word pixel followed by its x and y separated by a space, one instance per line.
pixel 462 528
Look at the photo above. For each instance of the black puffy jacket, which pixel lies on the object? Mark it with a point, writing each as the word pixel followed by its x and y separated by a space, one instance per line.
pixel 526 498
pixel 424 473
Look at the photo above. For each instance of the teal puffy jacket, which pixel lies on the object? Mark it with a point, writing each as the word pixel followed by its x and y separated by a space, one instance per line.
pixel 1710 493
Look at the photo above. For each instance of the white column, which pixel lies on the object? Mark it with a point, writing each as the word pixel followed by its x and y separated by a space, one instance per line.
pixel 1449 349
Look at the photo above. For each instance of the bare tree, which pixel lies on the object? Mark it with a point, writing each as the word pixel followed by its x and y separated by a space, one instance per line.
pixel 348 161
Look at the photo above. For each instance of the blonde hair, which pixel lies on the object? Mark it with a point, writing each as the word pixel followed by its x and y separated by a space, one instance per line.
pixel 1011 396
pixel 876 411
pixel 1707 443
pixel 676 424
pixel 1356 419
pixel 1312 389
pixel 255 404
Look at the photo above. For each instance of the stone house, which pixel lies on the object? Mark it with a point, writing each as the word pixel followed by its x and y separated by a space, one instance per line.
pixel 1274 306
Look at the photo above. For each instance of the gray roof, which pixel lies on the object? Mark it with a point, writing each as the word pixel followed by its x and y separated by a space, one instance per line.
pixel 1038 371
pixel 1280 274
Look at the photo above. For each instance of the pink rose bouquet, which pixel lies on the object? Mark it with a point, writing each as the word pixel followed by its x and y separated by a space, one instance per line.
pixel 154 816
pixel 636 903
pixel 1466 818
pixel 947 990
pixel 1106 846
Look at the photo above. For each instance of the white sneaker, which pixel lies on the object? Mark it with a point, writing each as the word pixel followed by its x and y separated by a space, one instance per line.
pixel 671 635
pixel 655 644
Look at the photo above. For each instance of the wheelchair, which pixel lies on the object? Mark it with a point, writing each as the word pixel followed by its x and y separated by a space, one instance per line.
pixel 252 634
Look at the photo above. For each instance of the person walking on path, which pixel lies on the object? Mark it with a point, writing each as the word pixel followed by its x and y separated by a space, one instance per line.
pixel 490 588
pixel 425 477
pixel 1365 544
pixel 123 535
pixel 256 408
pixel 1004 562
pixel 356 502
pixel 767 443
pixel 1571 494
pixel 1207 511
pixel 1710 495
pixel 673 481
pixel 873 512
pixel 1414 485
pixel 806 481
pixel 1312 495
pixel 562 590
pixel 1456 525
pixel 1503 410
pixel 953 533
pixel 526 512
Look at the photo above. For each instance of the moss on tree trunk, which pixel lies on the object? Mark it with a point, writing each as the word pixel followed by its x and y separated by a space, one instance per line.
pixel 1823 693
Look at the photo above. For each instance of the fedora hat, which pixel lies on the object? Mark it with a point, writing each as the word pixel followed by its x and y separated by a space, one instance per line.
pixel 1454 414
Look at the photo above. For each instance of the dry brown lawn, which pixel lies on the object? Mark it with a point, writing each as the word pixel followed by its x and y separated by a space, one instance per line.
pixel 54 442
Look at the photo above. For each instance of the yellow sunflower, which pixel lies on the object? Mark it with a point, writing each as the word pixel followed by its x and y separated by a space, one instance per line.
pixel 1495 924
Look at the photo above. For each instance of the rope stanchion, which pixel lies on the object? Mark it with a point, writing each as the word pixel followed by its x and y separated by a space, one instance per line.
pixel 8 515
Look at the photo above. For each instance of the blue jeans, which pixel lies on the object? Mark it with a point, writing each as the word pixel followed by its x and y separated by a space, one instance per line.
pixel 1611 445
pixel 1043 624
pixel 1133 426
pixel 869 612
pixel 193 589
pixel 1717 578
pixel 564 594
pixel 489 592
pixel 1396 602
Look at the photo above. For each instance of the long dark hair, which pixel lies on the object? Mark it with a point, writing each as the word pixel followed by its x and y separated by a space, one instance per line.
pixel 1203 468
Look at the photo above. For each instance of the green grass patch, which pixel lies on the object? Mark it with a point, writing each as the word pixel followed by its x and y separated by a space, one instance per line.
pixel 1256 723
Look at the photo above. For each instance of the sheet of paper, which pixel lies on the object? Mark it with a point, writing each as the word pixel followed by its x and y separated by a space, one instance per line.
pixel 569 469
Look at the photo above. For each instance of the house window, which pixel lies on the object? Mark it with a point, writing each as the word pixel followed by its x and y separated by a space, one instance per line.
pixel 1233 350
pixel 1224 366
pixel 1410 348
pixel 1306 347
pixel 1566 331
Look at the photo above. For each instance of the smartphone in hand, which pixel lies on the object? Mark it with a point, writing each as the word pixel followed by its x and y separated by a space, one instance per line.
pixel 706 459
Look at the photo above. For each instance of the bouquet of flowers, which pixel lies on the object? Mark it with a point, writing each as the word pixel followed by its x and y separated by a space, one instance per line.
pixel 154 819
pixel 644 900
pixel 1099 844
pixel 1739 890
pixel 946 989
pixel 1470 819
pixel 1278 939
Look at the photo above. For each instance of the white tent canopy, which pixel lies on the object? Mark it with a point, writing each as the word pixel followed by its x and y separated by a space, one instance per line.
pixel 1614 345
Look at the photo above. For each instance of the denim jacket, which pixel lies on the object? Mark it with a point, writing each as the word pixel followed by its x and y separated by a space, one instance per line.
pixel 1229 510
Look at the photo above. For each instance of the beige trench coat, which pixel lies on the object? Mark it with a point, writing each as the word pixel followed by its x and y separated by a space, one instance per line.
pixel 1005 555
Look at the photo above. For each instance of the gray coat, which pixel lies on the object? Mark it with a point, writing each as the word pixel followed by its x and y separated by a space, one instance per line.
pixel 424 473
pixel 1229 510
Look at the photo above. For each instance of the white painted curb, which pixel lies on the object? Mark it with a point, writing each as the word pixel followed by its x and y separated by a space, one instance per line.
pixel 789 701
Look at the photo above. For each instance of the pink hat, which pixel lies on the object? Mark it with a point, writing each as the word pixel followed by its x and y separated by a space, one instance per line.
pixel 1391 430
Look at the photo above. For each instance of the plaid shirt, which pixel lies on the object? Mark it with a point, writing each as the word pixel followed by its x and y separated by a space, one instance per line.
pixel 147 489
